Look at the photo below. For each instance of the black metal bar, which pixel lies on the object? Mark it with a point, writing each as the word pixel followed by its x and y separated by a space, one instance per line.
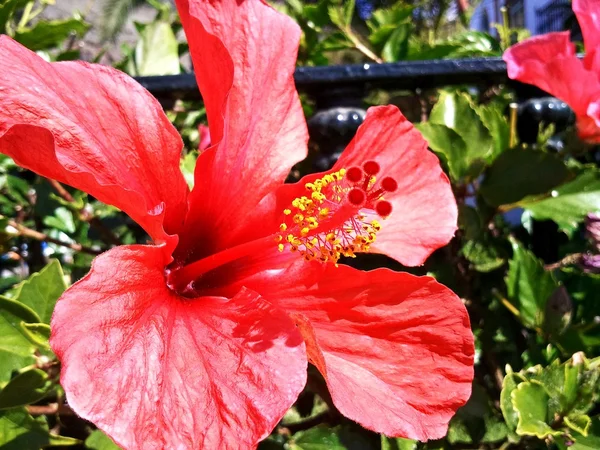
pixel 399 75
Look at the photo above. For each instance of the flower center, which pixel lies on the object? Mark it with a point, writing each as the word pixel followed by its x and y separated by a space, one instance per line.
pixel 338 215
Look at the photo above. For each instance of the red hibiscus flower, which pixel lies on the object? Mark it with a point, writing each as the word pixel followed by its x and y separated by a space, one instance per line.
pixel 550 63
pixel 202 339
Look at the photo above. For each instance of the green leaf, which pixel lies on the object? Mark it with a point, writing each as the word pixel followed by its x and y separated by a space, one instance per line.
pixel 510 179
pixel 26 388
pixel 61 441
pixel 561 383
pixel 477 421
pixel 188 165
pixel 61 220
pixel 20 431
pixel 156 53
pixel 397 14
pixel 316 13
pixel 581 423
pixel 317 438
pixel 16 351
pixel 37 333
pixel 41 290
pixel 396 46
pixel 540 398
pixel 47 34
pixel 475 43
pixel 7 9
pixel 592 440
pixel 114 17
pixel 493 119
pixel 568 204
pixel 324 438
pixel 448 145
pixel 511 417
pixel 388 443
pixel 97 440
pixel 529 285
pixel 457 112
pixel 483 254
pixel 348 11
pixel 530 401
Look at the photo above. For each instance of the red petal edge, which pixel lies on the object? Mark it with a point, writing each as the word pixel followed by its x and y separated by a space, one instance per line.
pixel 244 54
pixel 550 63
pixel 155 371
pixel 96 129
pixel 396 350
pixel 588 17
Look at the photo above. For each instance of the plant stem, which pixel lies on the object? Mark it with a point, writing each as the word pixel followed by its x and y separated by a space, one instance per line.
pixel 107 235
pixel 25 16
pixel 360 46
pixel 566 261
pixel 513 125
pixel 512 308
pixel 506 28
pixel 38 236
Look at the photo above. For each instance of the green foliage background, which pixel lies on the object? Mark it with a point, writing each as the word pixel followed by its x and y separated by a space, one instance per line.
pixel 534 305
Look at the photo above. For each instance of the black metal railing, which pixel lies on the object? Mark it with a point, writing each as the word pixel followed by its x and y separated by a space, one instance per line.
pixel 408 75
pixel 339 91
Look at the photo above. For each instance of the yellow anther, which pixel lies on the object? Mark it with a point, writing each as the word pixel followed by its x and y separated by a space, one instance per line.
pixel 278 238
pixel 317 197
pixel 280 247
pixel 311 231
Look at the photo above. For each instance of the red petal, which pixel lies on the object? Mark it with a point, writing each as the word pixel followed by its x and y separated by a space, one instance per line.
pixel 549 62
pixel 244 54
pixel 93 128
pixel 396 350
pixel 424 211
pixel 157 371
pixel 588 17
pixel 594 122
